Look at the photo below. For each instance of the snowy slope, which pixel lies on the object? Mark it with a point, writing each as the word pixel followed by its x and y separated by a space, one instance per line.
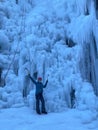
pixel 28 120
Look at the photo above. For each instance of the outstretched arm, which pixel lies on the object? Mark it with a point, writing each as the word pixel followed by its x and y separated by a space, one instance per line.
pixel 32 79
pixel 46 83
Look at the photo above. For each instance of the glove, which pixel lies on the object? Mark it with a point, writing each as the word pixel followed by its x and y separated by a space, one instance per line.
pixel 29 75
pixel 47 80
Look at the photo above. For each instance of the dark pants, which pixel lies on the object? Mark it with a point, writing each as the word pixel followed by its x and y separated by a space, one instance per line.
pixel 39 97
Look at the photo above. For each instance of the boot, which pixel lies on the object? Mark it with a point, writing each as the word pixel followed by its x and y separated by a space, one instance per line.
pixel 39 113
pixel 44 112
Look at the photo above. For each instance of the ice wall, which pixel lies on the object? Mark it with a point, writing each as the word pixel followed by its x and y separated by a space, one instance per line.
pixel 56 42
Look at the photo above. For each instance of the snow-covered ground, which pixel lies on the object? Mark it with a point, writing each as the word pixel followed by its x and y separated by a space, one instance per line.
pixel 26 119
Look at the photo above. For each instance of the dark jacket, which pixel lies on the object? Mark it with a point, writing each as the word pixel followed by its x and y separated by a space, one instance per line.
pixel 39 85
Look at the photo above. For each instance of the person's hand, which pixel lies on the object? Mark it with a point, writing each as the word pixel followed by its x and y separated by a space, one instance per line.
pixel 47 80
pixel 28 74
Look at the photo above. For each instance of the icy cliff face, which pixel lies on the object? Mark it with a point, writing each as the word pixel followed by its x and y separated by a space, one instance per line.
pixel 55 40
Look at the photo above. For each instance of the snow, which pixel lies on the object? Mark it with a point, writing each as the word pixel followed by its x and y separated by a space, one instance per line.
pixel 24 118
pixel 58 41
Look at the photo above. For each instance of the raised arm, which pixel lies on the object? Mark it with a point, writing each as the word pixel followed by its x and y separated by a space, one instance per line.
pixel 46 83
pixel 32 79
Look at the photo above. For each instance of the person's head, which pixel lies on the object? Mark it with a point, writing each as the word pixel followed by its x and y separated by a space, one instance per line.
pixel 39 79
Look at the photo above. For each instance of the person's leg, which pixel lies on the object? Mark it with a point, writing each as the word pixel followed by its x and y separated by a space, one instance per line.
pixel 37 103
pixel 43 104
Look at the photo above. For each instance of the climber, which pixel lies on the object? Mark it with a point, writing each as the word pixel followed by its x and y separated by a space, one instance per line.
pixel 39 94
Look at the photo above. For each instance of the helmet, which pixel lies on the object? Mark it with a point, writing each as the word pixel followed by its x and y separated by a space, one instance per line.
pixel 39 79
